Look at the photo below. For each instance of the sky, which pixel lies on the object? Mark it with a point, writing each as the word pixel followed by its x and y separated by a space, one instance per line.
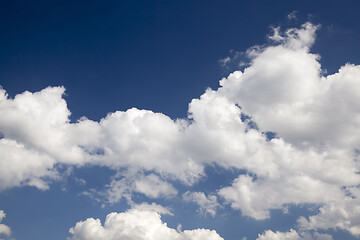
pixel 180 120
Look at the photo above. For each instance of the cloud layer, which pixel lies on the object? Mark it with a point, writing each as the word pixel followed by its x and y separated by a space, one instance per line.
pixel 314 158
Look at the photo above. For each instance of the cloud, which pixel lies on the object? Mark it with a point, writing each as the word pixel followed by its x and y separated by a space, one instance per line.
pixel 22 166
pixel 283 91
pixel 343 214
pixel 135 224
pixel 152 207
pixel 150 185
pixel 224 61
pixel 36 131
pixel 292 15
pixel 293 235
pixel 4 230
pixel 313 159
pixel 208 204
pixel 315 117
pixel 255 197
pixel 36 136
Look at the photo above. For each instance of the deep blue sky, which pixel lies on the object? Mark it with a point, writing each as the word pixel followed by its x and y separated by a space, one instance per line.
pixel 157 55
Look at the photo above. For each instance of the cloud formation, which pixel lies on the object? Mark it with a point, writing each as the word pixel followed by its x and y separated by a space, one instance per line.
pixel 4 230
pixel 152 186
pixel 343 214
pixel 135 224
pixel 313 159
pixel 293 235
pixel 208 204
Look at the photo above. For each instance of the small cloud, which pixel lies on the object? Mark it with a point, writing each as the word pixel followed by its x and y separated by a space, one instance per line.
pixel 225 61
pixel 292 15
pixel 4 230
pixel 152 207
pixel 80 181
pixel 243 64
pixel 178 228
pixel 276 35
pixel 208 204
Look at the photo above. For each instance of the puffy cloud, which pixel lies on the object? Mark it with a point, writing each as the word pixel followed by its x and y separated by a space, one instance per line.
pixel 152 207
pixel 256 197
pixel 35 130
pixel 293 235
pixel 135 224
pixel 4 230
pixel 143 140
pixel 150 185
pixel 40 121
pixel 283 92
pixel 153 187
pixel 22 166
pixel 314 158
pixel 208 204
pixel 343 214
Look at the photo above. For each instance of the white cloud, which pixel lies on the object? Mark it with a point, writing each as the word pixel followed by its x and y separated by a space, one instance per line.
pixel 313 160
pixel 152 207
pixel 135 224
pixel 283 91
pixel 292 15
pixel 255 197
pixel 276 35
pixel 40 121
pixel 36 136
pixel 36 131
pixel 153 187
pixel 293 235
pixel 141 140
pixel 317 120
pixel 4 230
pixel 225 61
pixel 343 214
pixel 150 185
pixel 208 204
pixel 22 166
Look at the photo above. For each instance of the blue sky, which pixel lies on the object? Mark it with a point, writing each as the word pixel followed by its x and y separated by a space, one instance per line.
pixel 117 107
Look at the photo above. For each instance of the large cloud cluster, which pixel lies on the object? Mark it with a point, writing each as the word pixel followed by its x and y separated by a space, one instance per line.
pixel 313 159
pixel 135 224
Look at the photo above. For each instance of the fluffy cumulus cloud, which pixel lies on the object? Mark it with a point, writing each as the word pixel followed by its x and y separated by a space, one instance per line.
pixel 317 121
pixel 343 214
pixel 313 159
pixel 284 92
pixel 4 229
pixel 135 224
